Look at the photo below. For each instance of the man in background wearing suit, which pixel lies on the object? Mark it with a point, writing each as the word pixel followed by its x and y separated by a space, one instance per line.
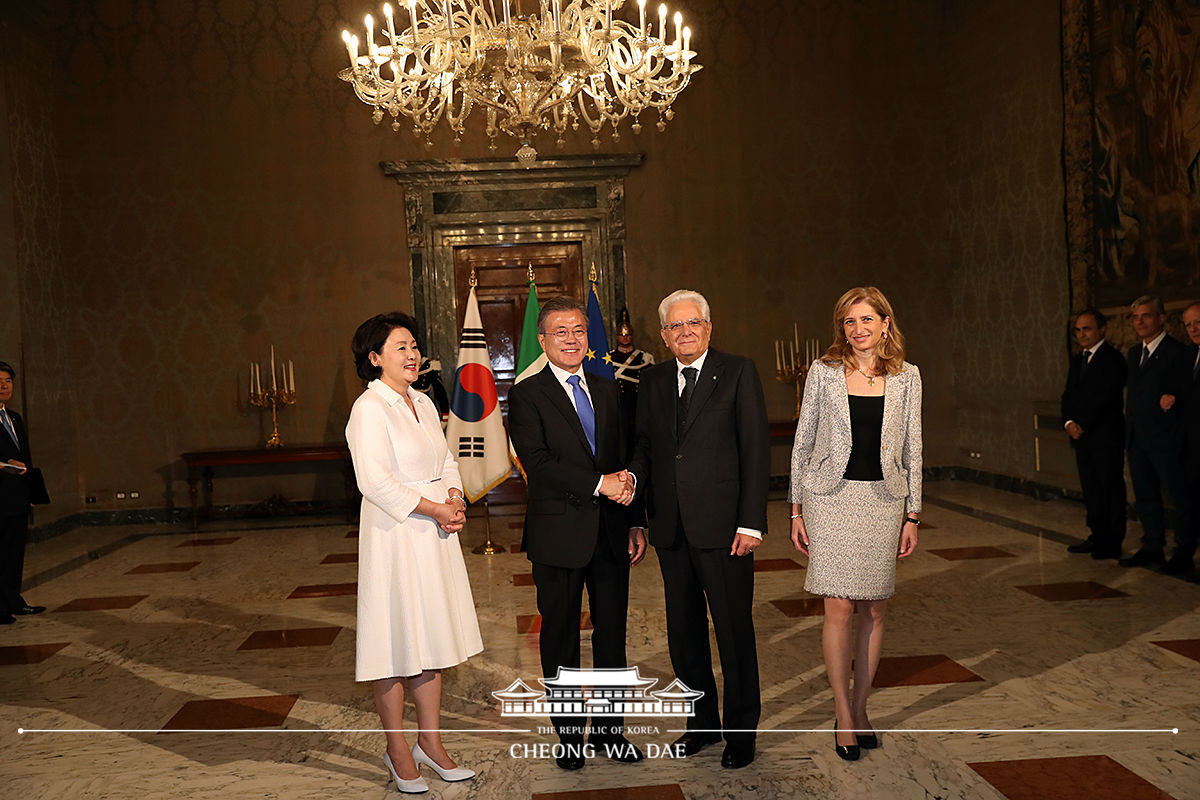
pixel 701 459
pixel 566 428
pixel 1154 436
pixel 14 503
pixel 1093 407
pixel 1191 415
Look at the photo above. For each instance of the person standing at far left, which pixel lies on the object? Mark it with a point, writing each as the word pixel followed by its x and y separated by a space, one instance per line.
pixel 14 503
pixel 1093 411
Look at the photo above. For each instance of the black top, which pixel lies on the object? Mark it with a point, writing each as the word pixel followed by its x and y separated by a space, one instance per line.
pixel 866 428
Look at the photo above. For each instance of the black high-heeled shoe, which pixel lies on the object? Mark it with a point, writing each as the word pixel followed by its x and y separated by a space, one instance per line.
pixel 867 741
pixel 846 752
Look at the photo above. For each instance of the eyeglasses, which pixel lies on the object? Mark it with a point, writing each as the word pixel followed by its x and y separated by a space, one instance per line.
pixel 562 334
pixel 690 324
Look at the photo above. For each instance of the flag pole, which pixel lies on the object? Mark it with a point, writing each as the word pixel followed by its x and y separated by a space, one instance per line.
pixel 488 548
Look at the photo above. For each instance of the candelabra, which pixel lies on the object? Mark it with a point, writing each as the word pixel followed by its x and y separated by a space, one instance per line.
pixel 788 369
pixel 274 397
pixel 562 63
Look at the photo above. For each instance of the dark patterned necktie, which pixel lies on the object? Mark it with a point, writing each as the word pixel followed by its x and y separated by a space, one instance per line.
pixel 685 398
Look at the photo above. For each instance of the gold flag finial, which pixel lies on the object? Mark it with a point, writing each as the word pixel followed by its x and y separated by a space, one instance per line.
pixel 531 280
pixel 592 273
pixel 473 281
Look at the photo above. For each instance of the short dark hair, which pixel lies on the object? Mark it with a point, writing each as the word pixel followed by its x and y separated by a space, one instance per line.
pixel 372 335
pixel 1096 314
pixel 6 367
pixel 561 303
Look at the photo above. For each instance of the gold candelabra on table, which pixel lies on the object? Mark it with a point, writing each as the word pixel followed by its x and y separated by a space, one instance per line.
pixel 790 370
pixel 274 397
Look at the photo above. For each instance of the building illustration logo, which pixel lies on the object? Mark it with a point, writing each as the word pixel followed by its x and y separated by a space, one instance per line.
pixel 587 692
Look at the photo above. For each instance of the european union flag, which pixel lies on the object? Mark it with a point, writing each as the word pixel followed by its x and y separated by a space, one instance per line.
pixel 597 361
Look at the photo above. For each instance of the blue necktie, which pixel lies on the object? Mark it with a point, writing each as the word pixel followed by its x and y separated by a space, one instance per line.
pixel 583 407
pixel 8 426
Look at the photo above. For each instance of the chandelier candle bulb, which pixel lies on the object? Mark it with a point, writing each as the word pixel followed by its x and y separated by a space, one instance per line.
pixel 387 12
pixel 687 44
pixel 662 22
pixel 678 29
pixel 272 367
pixel 369 22
pixel 642 16
pixel 412 17
pixel 449 18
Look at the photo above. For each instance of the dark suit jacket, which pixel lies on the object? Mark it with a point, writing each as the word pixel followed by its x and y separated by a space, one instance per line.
pixel 1165 372
pixel 1191 409
pixel 716 476
pixel 1094 401
pixel 563 518
pixel 14 489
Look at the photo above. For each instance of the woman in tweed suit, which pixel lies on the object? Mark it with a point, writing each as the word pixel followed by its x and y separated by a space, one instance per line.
pixel 856 494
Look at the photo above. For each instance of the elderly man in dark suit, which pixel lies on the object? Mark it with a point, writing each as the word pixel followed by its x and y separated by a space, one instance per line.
pixel 1191 414
pixel 1154 437
pixel 567 430
pixel 701 459
pixel 14 503
pixel 1093 410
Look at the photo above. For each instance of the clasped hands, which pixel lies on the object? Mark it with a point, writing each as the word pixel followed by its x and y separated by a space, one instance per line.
pixel 618 487
pixel 451 515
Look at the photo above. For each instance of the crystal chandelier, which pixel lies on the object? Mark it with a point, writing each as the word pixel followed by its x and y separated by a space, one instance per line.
pixel 568 64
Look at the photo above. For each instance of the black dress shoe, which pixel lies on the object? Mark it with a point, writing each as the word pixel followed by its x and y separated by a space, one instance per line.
pixel 1086 546
pixel 24 611
pixel 1101 553
pixel 572 756
pixel 737 755
pixel 846 752
pixel 1179 564
pixel 867 741
pixel 618 748
pixel 693 743
pixel 7 619
pixel 1142 558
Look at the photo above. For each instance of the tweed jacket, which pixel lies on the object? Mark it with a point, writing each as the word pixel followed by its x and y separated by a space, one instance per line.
pixel 823 442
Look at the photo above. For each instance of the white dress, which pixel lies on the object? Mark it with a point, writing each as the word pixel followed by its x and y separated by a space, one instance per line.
pixel 415 610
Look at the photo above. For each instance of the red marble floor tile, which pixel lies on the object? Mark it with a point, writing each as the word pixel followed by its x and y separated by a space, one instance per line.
pixel 165 566
pixel 775 565
pixel 801 606
pixel 523 579
pixel 966 553
pixel 340 558
pixel 266 711
pixel 532 623
pixel 290 637
pixel 209 542
pixel 1072 590
pixel 324 590
pixel 665 791
pixel 352 534
pixel 103 603
pixel 29 653
pixel 921 671
pixel 1185 647
pixel 1067 778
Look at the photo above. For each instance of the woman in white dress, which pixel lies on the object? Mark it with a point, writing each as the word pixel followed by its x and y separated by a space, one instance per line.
pixel 415 612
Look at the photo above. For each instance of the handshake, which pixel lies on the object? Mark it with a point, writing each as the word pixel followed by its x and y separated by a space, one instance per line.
pixel 618 487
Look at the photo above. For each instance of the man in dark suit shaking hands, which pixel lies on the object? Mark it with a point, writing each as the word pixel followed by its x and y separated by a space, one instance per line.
pixel 14 503
pixel 1094 414
pixel 566 428
pixel 701 459
pixel 1154 436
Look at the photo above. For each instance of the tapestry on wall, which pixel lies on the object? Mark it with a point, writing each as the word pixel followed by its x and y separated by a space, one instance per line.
pixel 1131 81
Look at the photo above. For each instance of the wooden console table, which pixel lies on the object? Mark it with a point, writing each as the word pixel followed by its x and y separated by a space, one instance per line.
pixel 201 463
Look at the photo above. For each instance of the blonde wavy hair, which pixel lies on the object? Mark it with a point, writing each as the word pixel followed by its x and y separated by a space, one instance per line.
pixel 891 349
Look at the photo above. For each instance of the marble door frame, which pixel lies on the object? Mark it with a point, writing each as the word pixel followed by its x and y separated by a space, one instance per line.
pixel 456 203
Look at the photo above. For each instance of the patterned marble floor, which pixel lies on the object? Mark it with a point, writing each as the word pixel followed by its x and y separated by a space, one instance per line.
pixel 168 635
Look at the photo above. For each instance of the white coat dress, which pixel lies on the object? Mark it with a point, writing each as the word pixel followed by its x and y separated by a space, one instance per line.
pixel 415 610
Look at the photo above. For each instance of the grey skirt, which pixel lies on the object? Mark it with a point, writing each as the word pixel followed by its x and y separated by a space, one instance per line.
pixel 853 538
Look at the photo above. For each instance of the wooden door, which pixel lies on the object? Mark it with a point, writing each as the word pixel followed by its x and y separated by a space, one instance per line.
pixel 502 289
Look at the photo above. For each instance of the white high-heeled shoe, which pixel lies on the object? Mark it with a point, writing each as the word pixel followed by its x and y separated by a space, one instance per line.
pixel 449 775
pixel 416 785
